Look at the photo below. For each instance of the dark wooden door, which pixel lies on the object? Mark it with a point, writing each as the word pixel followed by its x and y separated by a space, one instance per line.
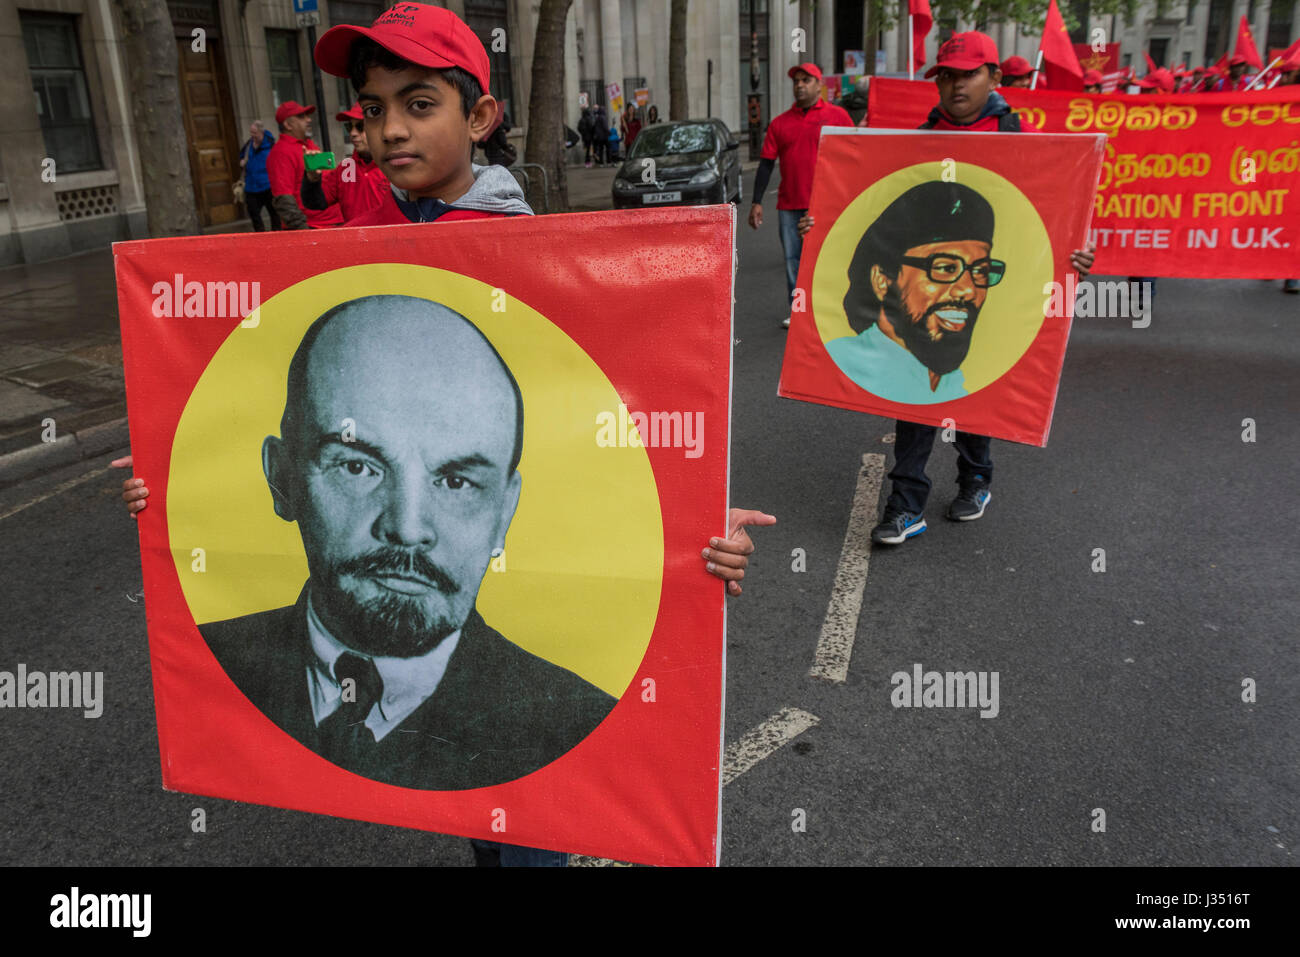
pixel 209 131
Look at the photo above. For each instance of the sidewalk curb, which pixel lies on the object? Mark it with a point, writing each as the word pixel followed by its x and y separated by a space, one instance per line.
pixel 88 442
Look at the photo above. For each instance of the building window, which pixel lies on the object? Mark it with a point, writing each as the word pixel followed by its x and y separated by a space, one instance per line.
pixel 59 82
pixel 484 17
pixel 286 67
pixel 1191 12
pixel 1081 11
pixel 1216 29
pixel 1279 26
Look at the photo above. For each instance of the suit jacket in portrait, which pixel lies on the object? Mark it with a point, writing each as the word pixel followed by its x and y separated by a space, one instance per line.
pixel 498 714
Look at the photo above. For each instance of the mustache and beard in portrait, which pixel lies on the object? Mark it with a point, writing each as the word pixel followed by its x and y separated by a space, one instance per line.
pixel 943 351
pixel 390 623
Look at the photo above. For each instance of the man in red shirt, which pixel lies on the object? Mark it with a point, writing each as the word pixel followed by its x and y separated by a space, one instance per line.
pixel 792 138
pixel 285 168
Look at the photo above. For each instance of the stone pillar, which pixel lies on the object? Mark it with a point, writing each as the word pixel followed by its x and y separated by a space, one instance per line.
pixel 823 50
pixel 611 47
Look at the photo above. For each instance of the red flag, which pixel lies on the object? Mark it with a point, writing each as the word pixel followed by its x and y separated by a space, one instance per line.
pixel 920 10
pixel 1246 45
pixel 1151 64
pixel 1062 67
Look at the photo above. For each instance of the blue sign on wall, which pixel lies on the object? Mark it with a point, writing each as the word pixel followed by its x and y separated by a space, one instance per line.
pixel 304 6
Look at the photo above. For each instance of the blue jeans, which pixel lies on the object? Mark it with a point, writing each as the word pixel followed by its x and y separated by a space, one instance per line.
pixel 792 243
pixel 912 445
pixel 491 854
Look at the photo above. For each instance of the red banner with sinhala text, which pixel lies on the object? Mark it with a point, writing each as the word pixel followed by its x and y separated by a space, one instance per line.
pixel 1191 185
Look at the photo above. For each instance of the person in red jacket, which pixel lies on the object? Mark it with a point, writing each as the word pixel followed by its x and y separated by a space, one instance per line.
pixel 356 184
pixel 966 73
pixel 792 138
pixel 285 167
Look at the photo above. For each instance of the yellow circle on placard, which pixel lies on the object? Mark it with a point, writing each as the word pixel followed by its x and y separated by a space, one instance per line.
pixel 1013 310
pixel 580 579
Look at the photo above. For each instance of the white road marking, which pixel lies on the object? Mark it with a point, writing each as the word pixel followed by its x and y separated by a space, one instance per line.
pixel 763 741
pixel 835 646
pixel 783 727
pixel 57 490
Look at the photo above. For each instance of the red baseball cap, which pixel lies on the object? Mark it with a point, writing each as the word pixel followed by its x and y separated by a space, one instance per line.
pixel 354 113
pixel 965 51
pixel 1092 78
pixel 810 68
pixel 1237 58
pixel 1015 66
pixel 289 108
pixel 425 35
pixel 1160 79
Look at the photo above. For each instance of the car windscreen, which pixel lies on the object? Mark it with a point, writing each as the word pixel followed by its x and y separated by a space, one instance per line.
pixel 667 140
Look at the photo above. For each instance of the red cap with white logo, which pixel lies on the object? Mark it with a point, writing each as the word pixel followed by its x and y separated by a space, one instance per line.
pixel 425 35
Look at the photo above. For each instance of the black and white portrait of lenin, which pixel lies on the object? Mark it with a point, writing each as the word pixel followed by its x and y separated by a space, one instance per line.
pixel 918 281
pixel 398 458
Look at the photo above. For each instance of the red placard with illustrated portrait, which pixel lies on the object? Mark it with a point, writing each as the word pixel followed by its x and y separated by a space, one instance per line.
pixel 935 285
pixel 423 539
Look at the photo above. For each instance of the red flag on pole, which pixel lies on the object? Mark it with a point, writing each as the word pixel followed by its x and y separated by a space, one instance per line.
pixel 1063 69
pixel 923 20
pixel 1246 45
pixel 1151 64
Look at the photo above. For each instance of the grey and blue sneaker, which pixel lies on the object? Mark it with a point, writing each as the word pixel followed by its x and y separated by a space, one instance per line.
pixel 897 527
pixel 969 504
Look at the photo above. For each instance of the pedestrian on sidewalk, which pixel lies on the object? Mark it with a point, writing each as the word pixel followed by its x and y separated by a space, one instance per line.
pixel 792 139
pixel 613 142
pixel 652 117
pixel 585 128
pixel 257 185
pixel 631 125
pixel 600 136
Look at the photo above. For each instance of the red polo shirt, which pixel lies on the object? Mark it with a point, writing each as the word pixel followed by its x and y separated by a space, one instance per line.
pixel 357 186
pixel 792 140
pixel 284 167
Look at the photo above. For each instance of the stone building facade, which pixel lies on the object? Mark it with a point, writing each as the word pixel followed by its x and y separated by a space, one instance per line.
pixel 69 166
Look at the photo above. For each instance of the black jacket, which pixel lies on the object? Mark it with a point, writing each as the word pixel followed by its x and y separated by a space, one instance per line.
pixel 498 714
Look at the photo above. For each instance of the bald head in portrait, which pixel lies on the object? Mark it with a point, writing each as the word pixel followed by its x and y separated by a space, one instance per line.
pixel 398 459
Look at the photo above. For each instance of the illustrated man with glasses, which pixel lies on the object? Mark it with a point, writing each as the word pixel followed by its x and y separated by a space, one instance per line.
pixel 917 283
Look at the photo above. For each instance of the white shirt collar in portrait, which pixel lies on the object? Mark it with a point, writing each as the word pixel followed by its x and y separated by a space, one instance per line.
pixel 408 682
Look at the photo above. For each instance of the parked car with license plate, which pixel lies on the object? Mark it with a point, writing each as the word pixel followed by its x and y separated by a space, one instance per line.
pixel 687 163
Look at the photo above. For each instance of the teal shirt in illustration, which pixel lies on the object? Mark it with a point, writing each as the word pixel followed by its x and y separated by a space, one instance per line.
pixel 884 368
